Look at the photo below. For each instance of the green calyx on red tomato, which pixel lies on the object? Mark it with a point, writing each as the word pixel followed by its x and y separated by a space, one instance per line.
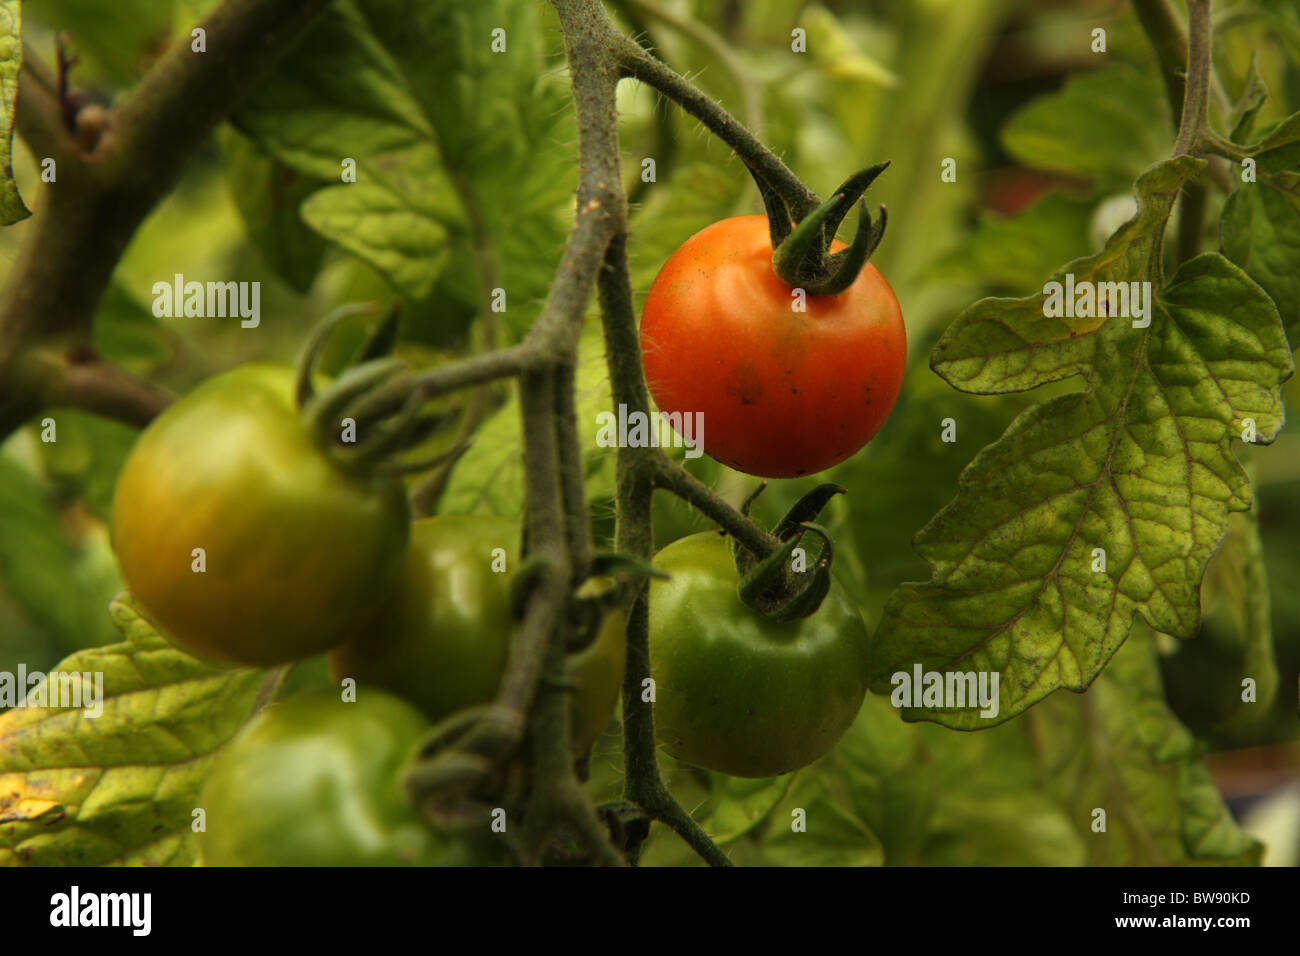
pixel 737 692
pixel 296 554
pixel 781 391
pixel 317 781
pixel 443 638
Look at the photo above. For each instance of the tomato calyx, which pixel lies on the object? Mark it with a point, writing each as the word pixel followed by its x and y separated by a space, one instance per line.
pixel 596 596
pixel 802 259
pixel 376 409
pixel 776 585
pixel 456 776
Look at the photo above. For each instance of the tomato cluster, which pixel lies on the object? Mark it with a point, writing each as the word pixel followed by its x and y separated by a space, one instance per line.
pixel 249 543
pixel 246 544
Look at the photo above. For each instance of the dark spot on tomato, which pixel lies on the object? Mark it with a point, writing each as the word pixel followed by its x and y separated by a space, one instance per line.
pixel 794 391
pixel 744 384
pixel 801 471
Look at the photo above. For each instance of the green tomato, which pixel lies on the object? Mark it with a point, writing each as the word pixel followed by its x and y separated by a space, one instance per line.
pixel 297 554
pixel 443 639
pixel 736 692
pixel 316 781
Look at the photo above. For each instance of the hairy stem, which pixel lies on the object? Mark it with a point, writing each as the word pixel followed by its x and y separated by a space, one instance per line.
pixel 638 63
pixel 672 477
pixel 750 96
pixel 571 478
pixel 585 20
pixel 1193 121
pixel 1169 41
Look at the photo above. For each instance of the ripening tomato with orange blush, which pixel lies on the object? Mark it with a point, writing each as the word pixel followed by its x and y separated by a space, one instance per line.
pixel 786 383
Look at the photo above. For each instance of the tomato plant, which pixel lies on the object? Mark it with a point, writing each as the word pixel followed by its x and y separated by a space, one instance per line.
pixel 238 535
pixel 785 386
pixel 498 239
pixel 316 781
pixel 443 638
pixel 738 693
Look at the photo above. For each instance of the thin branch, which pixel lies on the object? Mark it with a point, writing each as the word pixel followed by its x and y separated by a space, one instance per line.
pixel 572 475
pixel 750 95
pixel 37 115
pixel 504 363
pixel 1180 61
pixel 592 45
pixel 105 389
pixel 1196 95
pixel 1165 33
pixel 761 160
pixel 673 477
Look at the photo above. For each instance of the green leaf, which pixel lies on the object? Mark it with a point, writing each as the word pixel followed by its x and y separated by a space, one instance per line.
pixel 886 771
pixel 54 582
pixel 1260 227
pixel 816 824
pixel 1107 126
pixel 268 194
pixel 736 805
pixel 1006 829
pixel 121 787
pixel 1236 641
pixel 754 820
pixel 376 225
pixel 1118 748
pixel 1253 93
pixel 11 60
pixel 489 478
pixel 453 142
pixel 375 121
pixel 1138 464
pixel 909 794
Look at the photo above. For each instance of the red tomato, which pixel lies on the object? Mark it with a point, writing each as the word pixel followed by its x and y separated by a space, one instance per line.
pixel 781 392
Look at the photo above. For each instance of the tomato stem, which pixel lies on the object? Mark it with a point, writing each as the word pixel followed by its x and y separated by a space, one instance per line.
pixel 803 259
